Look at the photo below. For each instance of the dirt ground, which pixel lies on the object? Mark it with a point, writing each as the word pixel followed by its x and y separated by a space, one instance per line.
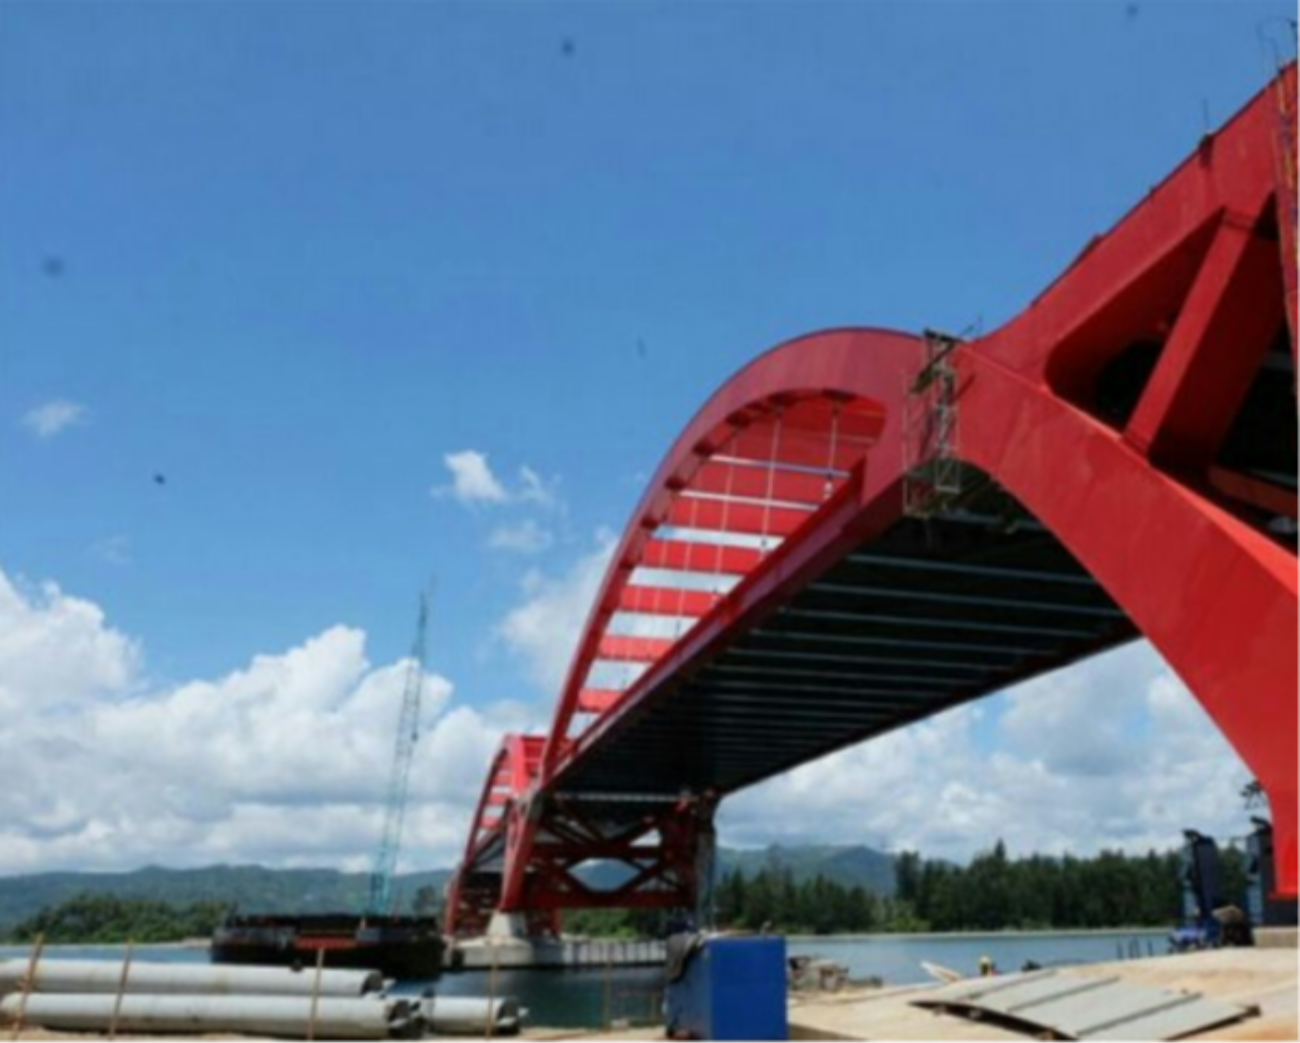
pixel 1264 978
pixel 531 1035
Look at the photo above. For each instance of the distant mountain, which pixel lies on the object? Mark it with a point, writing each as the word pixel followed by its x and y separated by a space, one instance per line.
pixel 848 864
pixel 258 889
pixel 252 888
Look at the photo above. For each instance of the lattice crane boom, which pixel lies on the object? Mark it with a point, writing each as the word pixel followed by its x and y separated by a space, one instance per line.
pixel 383 897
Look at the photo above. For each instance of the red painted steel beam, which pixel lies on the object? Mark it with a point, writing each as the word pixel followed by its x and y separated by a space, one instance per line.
pixel 1211 589
pixel 1283 90
pixel 1216 595
pixel 755 480
pixel 620 649
pixel 699 557
pixel 1263 496
pixel 1222 332
pixel 853 364
pixel 665 601
pixel 740 516
pixel 597 700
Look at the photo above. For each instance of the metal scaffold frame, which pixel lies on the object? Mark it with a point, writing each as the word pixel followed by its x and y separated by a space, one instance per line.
pixel 933 469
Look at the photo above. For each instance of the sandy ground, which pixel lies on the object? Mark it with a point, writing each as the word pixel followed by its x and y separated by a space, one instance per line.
pixel 1266 978
pixel 531 1035
pixel 43 1035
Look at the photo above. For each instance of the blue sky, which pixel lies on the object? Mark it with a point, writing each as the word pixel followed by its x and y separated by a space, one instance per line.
pixel 292 256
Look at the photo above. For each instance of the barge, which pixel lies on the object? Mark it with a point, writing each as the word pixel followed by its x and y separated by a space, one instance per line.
pixel 396 946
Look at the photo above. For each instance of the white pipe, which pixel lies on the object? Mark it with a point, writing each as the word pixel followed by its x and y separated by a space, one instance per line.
pixel 87 976
pixel 469 1015
pixel 370 1017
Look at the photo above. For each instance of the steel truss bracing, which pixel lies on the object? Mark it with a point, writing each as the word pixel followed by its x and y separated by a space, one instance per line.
pixel 934 468
pixel 1126 459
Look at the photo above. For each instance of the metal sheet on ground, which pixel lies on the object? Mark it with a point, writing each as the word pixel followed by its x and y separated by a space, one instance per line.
pixel 1072 1006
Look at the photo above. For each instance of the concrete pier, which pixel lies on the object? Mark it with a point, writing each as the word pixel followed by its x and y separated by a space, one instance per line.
pixel 477 954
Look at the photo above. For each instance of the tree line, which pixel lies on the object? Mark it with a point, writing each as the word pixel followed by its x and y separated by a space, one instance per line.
pixel 992 893
pixel 995 892
pixel 105 919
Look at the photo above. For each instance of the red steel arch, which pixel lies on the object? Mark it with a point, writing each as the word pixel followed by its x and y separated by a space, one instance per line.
pixel 1135 410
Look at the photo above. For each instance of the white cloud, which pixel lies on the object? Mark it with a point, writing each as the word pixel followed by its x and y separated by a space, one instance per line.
pixel 49 419
pixel 1114 752
pixel 1085 721
pixel 472 480
pixel 524 537
pixel 475 484
pixel 543 628
pixel 285 761
pixel 57 652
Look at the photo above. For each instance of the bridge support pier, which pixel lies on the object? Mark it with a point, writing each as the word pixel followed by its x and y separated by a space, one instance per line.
pixel 505 926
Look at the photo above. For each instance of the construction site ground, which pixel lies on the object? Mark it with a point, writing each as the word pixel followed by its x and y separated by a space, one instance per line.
pixel 1263 978
pixel 1266 978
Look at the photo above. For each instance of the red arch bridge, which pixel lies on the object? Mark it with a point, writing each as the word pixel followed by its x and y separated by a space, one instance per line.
pixel 862 528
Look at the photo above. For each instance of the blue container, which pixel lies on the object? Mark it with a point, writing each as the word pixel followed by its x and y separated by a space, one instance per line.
pixel 732 988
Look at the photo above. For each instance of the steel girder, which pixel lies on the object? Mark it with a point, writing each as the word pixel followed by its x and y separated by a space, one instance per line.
pixel 1140 413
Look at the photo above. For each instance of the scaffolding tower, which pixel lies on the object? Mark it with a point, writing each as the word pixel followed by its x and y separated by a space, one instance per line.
pixel 933 474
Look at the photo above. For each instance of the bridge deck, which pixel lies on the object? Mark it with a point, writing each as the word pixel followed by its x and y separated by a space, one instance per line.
pixel 931 614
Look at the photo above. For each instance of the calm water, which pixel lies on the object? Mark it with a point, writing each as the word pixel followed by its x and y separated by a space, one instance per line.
pixel 571 999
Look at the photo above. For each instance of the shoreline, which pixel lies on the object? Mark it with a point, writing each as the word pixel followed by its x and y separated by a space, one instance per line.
pixel 186 943
pixel 1075 932
pixel 1080 932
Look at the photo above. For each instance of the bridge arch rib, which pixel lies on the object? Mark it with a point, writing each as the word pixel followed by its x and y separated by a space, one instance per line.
pixel 772 599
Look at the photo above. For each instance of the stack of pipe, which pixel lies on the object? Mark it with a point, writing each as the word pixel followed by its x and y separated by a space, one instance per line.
pixel 156 979
pixel 142 997
pixel 470 1015
pixel 297 1017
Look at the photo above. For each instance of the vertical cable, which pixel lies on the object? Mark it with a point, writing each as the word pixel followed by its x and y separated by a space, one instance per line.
pixel 681 590
pixel 720 546
pixel 771 476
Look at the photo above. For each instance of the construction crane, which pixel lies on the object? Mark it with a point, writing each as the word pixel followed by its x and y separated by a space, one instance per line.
pixel 383 897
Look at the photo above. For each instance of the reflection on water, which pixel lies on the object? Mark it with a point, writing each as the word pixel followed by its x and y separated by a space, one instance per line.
pixel 632 995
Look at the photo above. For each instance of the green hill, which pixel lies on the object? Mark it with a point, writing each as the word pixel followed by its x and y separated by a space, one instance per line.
pixel 847 864
pixel 258 889
pixel 251 888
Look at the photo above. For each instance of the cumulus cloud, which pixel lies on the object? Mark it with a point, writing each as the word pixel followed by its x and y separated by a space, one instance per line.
pixel 51 418
pixel 284 761
pixel 1111 753
pixel 57 652
pixel 475 484
pixel 543 629
pixel 472 480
